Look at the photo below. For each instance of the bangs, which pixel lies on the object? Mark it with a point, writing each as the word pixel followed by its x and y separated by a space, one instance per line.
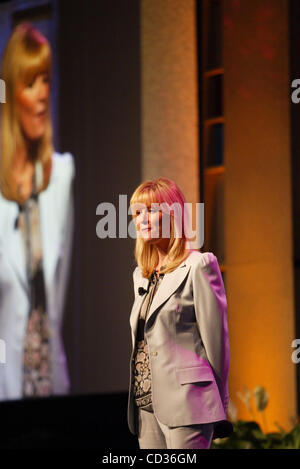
pixel 149 193
pixel 159 191
pixel 26 55
pixel 146 197
pixel 33 63
pixel 31 54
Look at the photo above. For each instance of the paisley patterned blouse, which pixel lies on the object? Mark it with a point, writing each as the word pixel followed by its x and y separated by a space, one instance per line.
pixel 36 358
pixel 141 368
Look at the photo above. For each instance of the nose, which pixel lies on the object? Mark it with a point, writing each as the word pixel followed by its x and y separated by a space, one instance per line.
pixel 143 217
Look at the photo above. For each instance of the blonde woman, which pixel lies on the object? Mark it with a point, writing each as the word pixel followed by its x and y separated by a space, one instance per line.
pixel 36 218
pixel 178 394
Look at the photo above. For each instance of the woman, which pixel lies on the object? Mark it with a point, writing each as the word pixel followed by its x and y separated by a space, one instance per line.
pixel 178 394
pixel 36 217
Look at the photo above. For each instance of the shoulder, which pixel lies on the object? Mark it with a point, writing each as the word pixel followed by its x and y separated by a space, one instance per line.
pixel 8 214
pixel 63 167
pixel 206 270
pixel 5 202
pixel 137 272
pixel 59 193
pixel 204 264
pixel 198 259
pixel 195 259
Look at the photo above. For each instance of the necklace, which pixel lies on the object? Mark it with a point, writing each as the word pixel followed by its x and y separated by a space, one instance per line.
pixel 165 261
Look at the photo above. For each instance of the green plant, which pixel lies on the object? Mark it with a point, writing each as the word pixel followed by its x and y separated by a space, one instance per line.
pixel 249 435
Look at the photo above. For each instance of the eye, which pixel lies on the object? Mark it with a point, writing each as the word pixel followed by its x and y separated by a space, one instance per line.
pixel 31 82
pixel 46 78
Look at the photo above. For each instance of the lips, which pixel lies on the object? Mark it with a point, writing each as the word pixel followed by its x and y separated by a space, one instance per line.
pixel 41 113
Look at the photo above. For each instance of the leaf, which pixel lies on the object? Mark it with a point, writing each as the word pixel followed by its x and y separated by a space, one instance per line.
pixel 248 435
pixel 245 398
pixel 261 398
pixel 294 437
pixel 280 428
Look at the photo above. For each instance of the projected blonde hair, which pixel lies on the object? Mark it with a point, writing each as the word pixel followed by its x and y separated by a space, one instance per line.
pixel 27 54
pixel 161 190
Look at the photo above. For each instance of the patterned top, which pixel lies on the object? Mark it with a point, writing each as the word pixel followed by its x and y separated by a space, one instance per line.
pixel 36 358
pixel 141 369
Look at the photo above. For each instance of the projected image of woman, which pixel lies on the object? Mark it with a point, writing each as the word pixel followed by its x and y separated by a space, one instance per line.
pixel 36 224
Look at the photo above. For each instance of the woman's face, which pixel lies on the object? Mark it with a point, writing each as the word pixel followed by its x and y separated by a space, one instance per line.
pixel 149 223
pixel 32 106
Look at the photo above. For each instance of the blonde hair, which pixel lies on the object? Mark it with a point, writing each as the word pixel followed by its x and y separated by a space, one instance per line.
pixel 26 54
pixel 161 190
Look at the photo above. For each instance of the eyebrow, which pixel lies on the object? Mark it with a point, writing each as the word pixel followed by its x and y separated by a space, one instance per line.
pixel 148 206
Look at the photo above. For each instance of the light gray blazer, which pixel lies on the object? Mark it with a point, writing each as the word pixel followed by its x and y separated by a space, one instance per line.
pixel 56 211
pixel 187 335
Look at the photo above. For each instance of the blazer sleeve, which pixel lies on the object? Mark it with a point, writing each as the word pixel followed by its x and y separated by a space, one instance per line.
pixel 211 314
pixel 133 278
pixel 135 288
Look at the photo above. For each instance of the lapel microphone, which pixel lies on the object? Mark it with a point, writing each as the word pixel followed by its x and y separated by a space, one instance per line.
pixel 142 291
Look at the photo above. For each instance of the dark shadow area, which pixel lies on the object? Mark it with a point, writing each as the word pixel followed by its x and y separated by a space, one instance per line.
pixel 73 422
pixel 294 37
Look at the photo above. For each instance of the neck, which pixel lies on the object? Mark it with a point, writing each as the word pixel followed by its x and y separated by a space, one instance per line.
pixel 26 154
pixel 21 159
pixel 23 170
pixel 162 251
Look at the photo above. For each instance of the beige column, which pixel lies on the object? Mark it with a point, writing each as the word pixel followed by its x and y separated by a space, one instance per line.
pixel 170 93
pixel 258 212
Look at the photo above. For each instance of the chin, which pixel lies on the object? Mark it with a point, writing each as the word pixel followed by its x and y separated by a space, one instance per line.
pixel 151 240
pixel 146 240
pixel 35 136
pixel 35 133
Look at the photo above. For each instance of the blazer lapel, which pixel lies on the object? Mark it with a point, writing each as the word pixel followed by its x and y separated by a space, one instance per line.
pixel 50 236
pixel 169 284
pixel 141 282
pixel 50 232
pixel 16 252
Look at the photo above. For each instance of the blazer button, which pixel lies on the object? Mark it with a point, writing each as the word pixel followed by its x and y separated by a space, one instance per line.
pixel 154 354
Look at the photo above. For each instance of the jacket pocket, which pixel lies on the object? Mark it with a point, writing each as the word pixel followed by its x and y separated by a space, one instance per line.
pixel 194 374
